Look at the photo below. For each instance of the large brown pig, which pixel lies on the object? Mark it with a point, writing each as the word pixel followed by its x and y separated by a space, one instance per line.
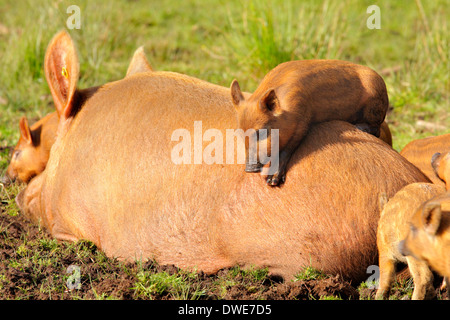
pixel 420 153
pixel 111 180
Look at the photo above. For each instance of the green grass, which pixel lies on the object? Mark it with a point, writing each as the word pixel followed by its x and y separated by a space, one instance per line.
pixel 216 41
pixel 401 290
pixel 309 273
pixel 181 286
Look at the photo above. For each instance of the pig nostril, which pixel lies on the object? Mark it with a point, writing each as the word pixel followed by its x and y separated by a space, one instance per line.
pixel 5 180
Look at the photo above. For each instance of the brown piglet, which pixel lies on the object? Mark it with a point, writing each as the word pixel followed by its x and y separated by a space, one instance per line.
pixel 392 228
pixel 428 237
pixel 31 153
pixel 296 94
pixel 441 165
pixel 420 152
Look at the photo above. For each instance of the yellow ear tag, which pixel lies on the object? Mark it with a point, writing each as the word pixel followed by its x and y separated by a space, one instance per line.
pixel 64 73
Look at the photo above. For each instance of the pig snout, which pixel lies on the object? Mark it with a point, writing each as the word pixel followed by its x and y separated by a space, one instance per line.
pixel 6 180
pixel 9 177
pixel 403 248
pixel 253 167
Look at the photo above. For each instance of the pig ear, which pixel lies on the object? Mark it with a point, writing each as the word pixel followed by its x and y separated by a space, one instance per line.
pixel 138 63
pixel 62 72
pixel 435 159
pixel 25 131
pixel 236 93
pixel 431 217
pixel 270 103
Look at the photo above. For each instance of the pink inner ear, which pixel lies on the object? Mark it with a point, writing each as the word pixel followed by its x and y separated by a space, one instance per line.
pixel 57 88
pixel 61 56
pixel 24 129
pixel 269 102
pixel 236 93
pixel 63 82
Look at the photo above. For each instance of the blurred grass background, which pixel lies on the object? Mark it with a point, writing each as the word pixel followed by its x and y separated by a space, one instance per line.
pixel 218 40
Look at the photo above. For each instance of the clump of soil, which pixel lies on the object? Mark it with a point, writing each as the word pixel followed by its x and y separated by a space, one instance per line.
pixel 313 289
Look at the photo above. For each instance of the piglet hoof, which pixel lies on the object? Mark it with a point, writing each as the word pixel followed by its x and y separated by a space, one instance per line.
pixel 276 180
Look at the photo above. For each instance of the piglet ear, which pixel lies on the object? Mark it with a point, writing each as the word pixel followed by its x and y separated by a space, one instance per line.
pixel 269 102
pixel 236 94
pixel 62 72
pixel 25 131
pixel 431 217
pixel 139 63
pixel 435 160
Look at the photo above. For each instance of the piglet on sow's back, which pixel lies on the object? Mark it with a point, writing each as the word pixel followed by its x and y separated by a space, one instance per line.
pixel 127 196
pixel 296 94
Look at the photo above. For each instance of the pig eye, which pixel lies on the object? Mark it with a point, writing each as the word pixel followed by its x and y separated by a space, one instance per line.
pixel 16 154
